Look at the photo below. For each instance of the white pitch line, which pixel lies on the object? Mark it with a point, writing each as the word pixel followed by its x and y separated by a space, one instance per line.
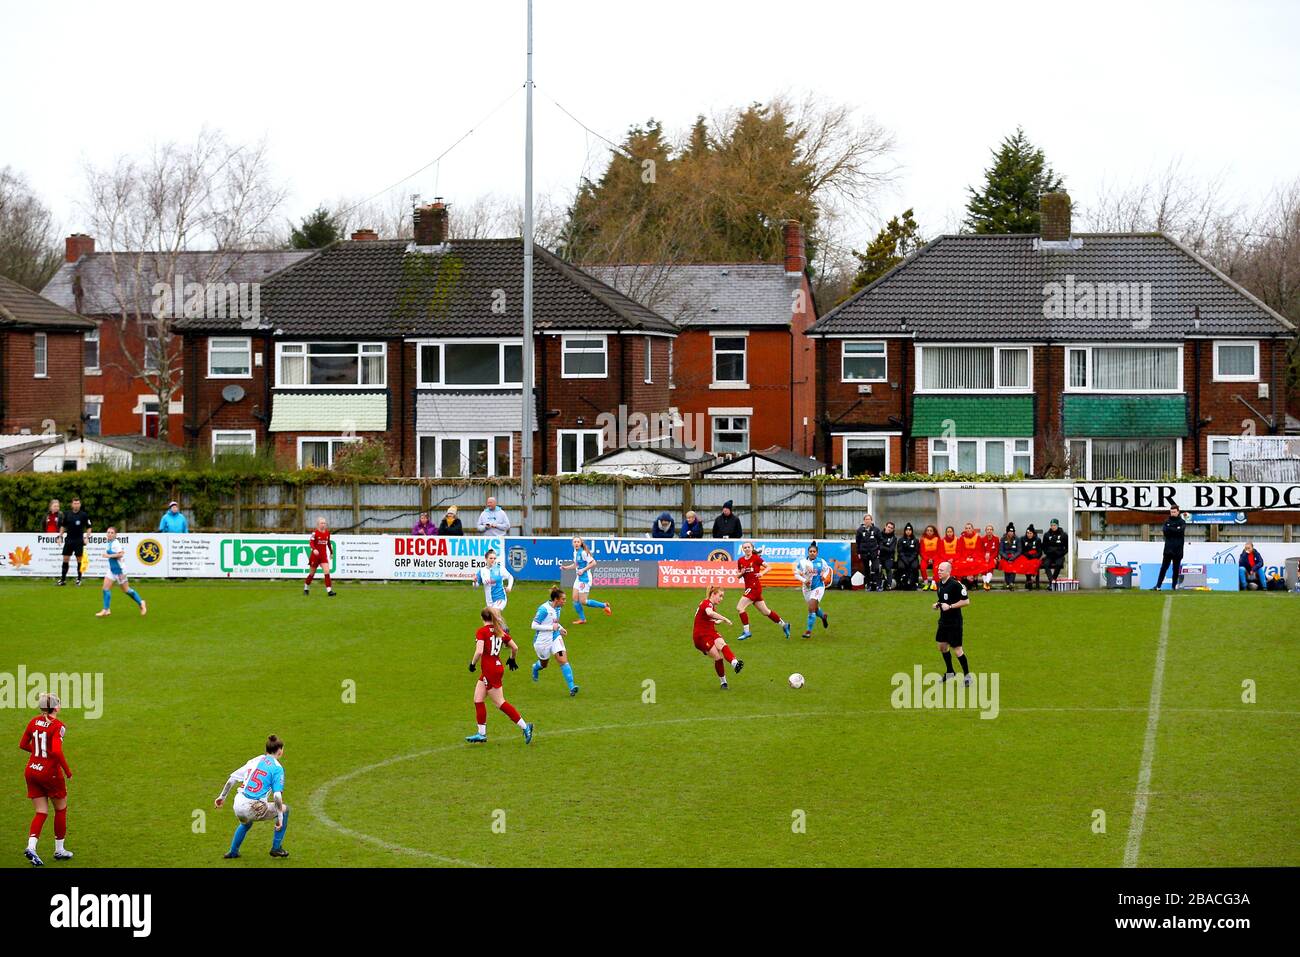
pixel 1142 797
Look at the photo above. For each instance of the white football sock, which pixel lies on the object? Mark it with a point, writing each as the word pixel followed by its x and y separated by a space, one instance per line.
pixel 482 729
pixel 58 845
pixel 522 723
pixel 31 844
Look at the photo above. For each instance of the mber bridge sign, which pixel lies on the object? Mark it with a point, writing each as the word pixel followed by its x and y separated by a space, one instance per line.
pixel 1188 496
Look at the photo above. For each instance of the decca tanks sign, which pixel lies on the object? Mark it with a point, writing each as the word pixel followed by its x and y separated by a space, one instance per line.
pixel 1188 496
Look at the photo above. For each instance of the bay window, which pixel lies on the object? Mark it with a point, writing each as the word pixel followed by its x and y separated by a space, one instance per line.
pixel 465 456
pixel 1101 460
pixel 331 364
pixel 986 456
pixel 974 368
pixel 1123 368
pixel 471 364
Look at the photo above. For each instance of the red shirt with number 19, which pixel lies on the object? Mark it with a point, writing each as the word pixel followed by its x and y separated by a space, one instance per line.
pixel 320 547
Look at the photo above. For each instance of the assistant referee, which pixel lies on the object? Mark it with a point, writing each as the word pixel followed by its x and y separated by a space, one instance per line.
pixel 951 598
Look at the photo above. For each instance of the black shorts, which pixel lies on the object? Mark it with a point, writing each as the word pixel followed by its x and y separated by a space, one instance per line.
pixel 73 548
pixel 949 636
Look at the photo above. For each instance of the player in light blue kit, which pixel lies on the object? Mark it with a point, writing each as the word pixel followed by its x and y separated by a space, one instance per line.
pixel 115 552
pixel 261 797
pixel 815 574
pixel 583 563
pixel 496 583
pixel 548 639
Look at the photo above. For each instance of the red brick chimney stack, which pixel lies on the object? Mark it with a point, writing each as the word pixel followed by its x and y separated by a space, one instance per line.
pixel 431 223
pixel 1054 215
pixel 365 236
pixel 76 246
pixel 796 260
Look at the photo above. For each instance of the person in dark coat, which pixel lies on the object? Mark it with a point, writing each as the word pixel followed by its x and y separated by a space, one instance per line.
pixel 1174 531
pixel 1031 546
pixel 1250 568
pixel 909 559
pixel 1009 551
pixel 868 548
pixel 692 527
pixel 663 527
pixel 450 524
pixel 888 556
pixel 727 525
pixel 1056 546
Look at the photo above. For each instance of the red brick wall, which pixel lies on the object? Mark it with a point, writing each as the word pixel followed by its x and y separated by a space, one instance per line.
pixel 205 410
pixel 28 401
pixel 1218 400
pixel 841 405
pixel 121 350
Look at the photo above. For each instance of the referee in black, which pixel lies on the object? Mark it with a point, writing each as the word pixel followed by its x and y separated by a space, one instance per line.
pixel 75 524
pixel 1174 531
pixel 952 598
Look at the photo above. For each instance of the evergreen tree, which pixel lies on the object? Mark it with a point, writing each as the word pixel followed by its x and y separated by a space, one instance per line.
pixel 317 230
pixel 1013 185
pixel 898 240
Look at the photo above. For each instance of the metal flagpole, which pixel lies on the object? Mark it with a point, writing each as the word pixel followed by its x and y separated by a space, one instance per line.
pixel 526 438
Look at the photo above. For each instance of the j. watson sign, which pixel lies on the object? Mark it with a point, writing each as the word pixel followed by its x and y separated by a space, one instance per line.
pixel 1190 497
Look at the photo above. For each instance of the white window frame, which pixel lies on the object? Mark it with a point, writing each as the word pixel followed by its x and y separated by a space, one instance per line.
pixel 1237 343
pixel 1209 452
pixel 649 360
pixel 884 354
pixel 439 382
pixel 248 348
pixel 981 452
pixel 438 438
pixel 333 440
pixel 305 354
pixel 40 355
pixel 92 336
pixel 1087 452
pixel 144 404
pixel 746 414
pixel 1092 365
pixel 565 351
pixel 581 460
pixel 998 348
pixel 251 434
pixel 98 402
pixel 743 381
pixel 847 437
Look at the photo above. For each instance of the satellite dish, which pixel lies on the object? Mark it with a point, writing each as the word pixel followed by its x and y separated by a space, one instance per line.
pixel 232 393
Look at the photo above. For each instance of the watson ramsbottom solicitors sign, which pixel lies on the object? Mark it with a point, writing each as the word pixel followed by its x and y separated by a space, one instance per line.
pixel 1188 496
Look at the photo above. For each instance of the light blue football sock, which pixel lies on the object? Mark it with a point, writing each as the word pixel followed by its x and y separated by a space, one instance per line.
pixel 582 615
pixel 595 604
pixel 278 839
pixel 566 669
pixel 135 596
pixel 812 619
pixel 108 598
pixel 241 832
pixel 821 614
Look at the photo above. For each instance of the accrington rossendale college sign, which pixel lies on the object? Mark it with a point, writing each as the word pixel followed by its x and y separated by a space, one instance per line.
pixel 1188 496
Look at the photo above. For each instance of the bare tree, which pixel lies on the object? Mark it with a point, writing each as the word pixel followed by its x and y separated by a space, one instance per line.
pixel 29 251
pixel 153 213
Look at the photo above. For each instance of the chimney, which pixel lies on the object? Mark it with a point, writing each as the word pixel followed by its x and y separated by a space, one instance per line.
pixel 76 246
pixel 431 223
pixel 1054 216
pixel 795 258
pixel 365 236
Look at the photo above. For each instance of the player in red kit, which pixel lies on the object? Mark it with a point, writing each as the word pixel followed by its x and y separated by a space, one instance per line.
pixel 752 569
pixel 46 770
pixel 319 557
pixel 708 641
pixel 487 650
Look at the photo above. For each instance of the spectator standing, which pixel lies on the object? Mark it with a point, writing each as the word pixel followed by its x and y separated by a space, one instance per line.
pixel 1250 568
pixel 1056 546
pixel 493 519
pixel 888 556
pixel 173 521
pixel 692 527
pixel 909 558
pixel 52 517
pixel 663 527
pixel 727 525
pixel 1031 547
pixel 424 526
pixel 74 525
pixel 1009 551
pixel 868 548
pixel 1174 532
pixel 450 524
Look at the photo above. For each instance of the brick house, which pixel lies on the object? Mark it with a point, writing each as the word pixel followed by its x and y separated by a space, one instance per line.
pixel 103 287
pixel 742 364
pixel 40 364
pixel 1096 355
pixel 419 344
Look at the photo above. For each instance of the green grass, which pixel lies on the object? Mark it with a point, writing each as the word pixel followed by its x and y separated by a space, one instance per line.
pixel 699 777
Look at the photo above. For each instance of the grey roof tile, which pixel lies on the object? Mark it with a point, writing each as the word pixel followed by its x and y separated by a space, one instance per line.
pixel 715 294
pixel 20 307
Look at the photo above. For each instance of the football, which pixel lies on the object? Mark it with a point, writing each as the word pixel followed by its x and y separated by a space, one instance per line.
pixel 796 680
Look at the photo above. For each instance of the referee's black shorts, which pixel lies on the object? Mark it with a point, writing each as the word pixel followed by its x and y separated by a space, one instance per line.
pixel 949 636
pixel 73 548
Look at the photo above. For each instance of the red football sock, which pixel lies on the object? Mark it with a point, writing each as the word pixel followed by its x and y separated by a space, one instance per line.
pixel 61 824
pixel 719 667
pixel 38 822
pixel 728 653
pixel 744 618
pixel 480 712
pixel 328 583
pixel 310 575
pixel 774 616
pixel 509 711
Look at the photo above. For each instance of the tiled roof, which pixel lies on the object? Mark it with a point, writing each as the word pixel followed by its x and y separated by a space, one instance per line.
pixel 20 307
pixel 787 458
pixel 702 295
pixel 1124 416
pixel 993 288
pixel 966 416
pixel 137 444
pixel 318 411
pixel 463 288
pixel 470 411
pixel 106 281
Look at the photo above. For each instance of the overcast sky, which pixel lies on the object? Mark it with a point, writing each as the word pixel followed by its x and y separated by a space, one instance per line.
pixel 351 97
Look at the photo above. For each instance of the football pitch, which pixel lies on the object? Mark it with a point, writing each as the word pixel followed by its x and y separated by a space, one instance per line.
pixel 1181 706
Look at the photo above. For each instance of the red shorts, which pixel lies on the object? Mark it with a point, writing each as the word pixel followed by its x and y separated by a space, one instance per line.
pixel 492 673
pixel 46 785
pixel 705 643
pixel 754 594
pixel 316 559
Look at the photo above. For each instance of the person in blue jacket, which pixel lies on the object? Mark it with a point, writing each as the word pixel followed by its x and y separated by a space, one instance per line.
pixel 1250 568
pixel 173 521
pixel 663 527
pixel 692 527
